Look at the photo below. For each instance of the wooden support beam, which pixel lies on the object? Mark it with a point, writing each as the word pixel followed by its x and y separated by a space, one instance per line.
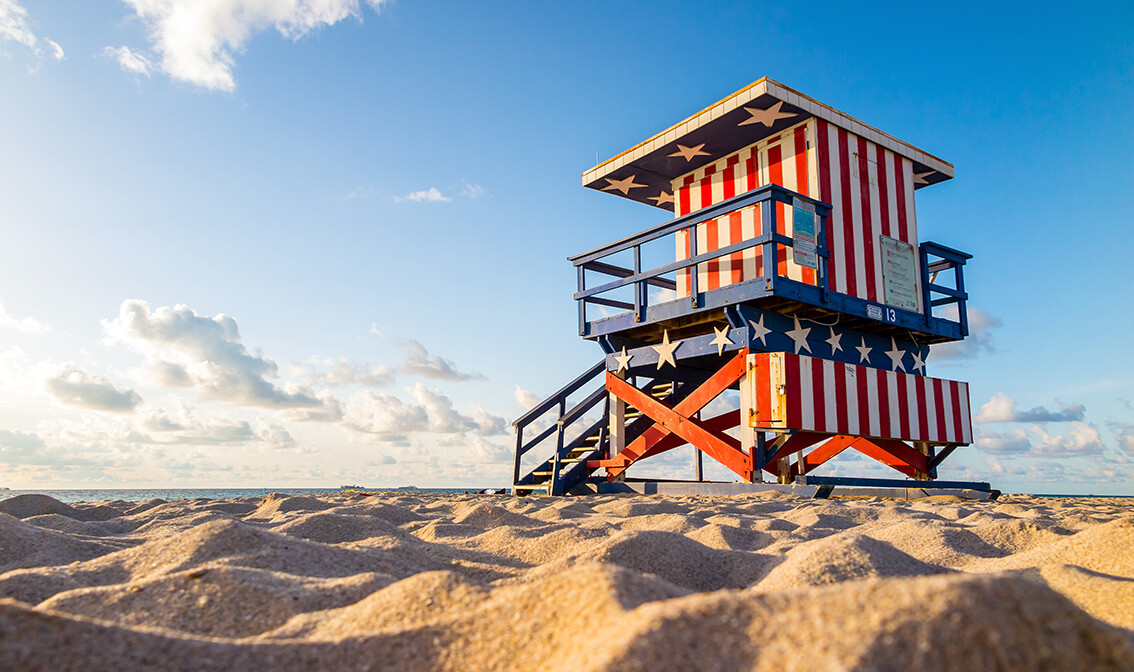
pixel 678 420
pixel 894 454
pixel 823 453
pixel 795 443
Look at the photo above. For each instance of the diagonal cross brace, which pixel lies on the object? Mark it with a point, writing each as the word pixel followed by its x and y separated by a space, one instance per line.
pixel 677 420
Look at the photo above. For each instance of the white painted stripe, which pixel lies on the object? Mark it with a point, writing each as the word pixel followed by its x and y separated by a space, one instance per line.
pixel 872 401
pixel 875 217
pixel 966 419
pixel 891 195
pixel 830 417
pixel 894 390
pixel 850 373
pixel 836 221
pixel 931 407
pixel 854 249
pixel 807 400
pixel 909 389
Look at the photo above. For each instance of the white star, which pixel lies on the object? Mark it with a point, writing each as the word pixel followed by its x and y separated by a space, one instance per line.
pixel 624 185
pixel 835 341
pixel 896 356
pixel 663 197
pixel 623 360
pixel 766 117
pixel 919 178
pixel 688 153
pixel 759 330
pixel 863 351
pixel 918 362
pixel 721 339
pixel 666 350
pixel 799 335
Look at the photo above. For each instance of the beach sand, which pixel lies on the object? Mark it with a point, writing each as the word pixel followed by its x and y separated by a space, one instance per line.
pixel 410 581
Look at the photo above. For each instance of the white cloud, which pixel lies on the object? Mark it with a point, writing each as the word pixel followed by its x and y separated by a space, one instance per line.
pixel 131 61
pixel 56 50
pixel 14 28
pixel 197 41
pixel 388 418
pixel 430 195
pixel 979 340
pixel 1080 440
pixel 185 349
pixel 419 363
pixel 526 398
pixel 14 24
pixel 28 325
pixel 471 189
pixel 1002 408
pixel 339 372
pixel 73 386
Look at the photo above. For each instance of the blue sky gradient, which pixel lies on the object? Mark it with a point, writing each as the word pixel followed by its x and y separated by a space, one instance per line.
pixel 297 200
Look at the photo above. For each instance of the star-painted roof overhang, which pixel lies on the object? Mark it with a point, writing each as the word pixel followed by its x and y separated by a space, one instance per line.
pixel 762 109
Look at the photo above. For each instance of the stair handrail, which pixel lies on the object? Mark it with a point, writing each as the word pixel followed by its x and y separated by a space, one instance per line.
pixel 547 404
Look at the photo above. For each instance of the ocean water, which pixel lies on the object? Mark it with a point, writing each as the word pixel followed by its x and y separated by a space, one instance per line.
pixel 144 495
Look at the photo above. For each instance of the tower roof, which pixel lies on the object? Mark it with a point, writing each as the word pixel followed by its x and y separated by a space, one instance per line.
pixel 757 111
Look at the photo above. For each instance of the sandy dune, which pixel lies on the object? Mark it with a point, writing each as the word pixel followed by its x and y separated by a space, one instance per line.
pixel 446 582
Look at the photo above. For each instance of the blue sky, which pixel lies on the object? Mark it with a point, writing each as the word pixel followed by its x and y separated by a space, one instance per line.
pixel 303 243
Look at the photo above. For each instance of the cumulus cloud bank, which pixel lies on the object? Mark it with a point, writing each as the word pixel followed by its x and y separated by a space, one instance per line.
pixel 1002 408
pixel 1081 440
pixel 419 363
pixel 185 349
pixel 979 340
pixel 73 386
pixel 196 42
pixel 388 418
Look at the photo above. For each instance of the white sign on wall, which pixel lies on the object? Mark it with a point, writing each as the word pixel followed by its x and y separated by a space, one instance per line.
pixel 899 273
pixel 803 234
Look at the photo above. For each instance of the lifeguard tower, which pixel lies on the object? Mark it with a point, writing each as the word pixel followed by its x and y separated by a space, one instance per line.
pixel 791 274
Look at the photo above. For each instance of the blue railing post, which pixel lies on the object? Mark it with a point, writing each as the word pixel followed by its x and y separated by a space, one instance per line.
pixel 640 287
pixel 925 298
pixel 583 302
pixel 693 269
pixel 768 219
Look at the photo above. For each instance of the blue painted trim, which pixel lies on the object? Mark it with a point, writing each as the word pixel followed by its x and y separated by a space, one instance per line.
pixel 896 483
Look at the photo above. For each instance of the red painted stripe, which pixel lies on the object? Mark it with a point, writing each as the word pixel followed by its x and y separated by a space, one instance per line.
pixel 817 395
pixel 860 373
pixel 735 235
pixel 764 384
pixel 958 423
pixel 904 402
pixel 867 227
pixel 923 412
pixel 791 384
pixel 883 194
pixel 750 166
pixel 939 412
pixel 758 220
pixel 684 197
pixel 712 266
pixel 707 190
pixel 776 176
pixel 842 423
pixel 847 253
pixel 824 151
pixel 900 192
pixel 883 403
pixel 729 186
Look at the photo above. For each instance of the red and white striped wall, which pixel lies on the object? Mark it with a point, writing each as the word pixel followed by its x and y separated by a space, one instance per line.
pixel 785 159
pixel 870 188
pixel 811 394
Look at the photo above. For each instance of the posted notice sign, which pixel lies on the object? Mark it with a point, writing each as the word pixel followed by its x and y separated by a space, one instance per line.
pixel 899 273
pixel 803 234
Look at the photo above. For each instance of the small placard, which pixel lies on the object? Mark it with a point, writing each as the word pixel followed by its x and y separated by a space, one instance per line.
pixel 803 234
pixel 899 273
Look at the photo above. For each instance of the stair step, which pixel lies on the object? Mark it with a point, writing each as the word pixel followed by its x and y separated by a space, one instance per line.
pixel 531 486
pixel 541 473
